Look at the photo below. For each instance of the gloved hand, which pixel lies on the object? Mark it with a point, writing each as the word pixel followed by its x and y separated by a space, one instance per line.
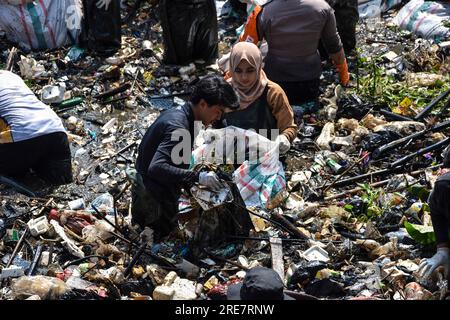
pixel 344 76
pixel 209 179
pixel 103 3
pixel 427 266
pixel 283 143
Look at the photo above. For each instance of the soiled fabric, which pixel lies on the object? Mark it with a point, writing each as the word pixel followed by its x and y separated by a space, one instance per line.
pixel 248 52
pixel 293 29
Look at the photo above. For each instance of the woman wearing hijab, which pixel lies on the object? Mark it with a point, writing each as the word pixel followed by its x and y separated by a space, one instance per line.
pixel 263 104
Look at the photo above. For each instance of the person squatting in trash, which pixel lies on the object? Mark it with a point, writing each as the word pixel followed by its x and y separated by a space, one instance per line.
pixel 262 103
pixel 32 136
pixel 159 180
pixel 190 31
pixel 293 29
pixel 439 202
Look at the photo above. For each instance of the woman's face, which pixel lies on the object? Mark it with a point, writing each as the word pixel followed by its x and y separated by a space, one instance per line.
pixel 245 73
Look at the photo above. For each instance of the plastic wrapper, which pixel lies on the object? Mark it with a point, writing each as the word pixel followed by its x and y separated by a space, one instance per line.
pixel 45 287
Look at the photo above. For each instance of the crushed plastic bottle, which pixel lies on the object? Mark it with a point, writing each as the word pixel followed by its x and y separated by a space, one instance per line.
pixel 104 203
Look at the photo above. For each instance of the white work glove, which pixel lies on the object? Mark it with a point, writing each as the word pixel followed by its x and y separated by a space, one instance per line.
pixel 283 143
pixel 103 3
pixel 427 266
pixel 209 179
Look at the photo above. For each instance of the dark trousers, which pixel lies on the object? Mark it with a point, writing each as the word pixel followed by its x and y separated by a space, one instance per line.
pixel 48 155
pixel 101 30
pixel 149 210
pixel 189 30
pixel 301 92
pixel 347 15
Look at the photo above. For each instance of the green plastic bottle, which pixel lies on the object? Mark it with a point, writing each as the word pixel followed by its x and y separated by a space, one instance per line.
pixel 71 102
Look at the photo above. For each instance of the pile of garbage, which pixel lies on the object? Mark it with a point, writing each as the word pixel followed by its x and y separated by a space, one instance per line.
pixel 351 220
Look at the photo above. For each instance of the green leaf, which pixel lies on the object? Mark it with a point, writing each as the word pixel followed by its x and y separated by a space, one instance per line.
pixel 348 207
pixel 420 192
pixel 420 233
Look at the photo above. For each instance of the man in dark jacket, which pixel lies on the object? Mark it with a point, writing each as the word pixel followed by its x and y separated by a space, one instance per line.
pixel 165 152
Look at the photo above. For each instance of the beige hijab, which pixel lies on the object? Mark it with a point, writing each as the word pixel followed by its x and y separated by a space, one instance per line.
pixel 249 52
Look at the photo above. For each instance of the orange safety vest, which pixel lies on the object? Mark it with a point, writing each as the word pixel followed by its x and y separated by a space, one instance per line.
pixel 250 33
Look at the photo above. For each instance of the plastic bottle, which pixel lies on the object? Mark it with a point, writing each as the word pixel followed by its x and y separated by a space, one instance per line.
pixel 71 102
pixel 416 207
pixel 337 168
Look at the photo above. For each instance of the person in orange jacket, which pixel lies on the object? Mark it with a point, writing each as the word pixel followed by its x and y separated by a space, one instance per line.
pixel 293 30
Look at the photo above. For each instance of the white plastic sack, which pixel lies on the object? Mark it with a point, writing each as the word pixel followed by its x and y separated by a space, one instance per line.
pixel 373 8
pixel 425 18
pixel 43 24
pixel 260 177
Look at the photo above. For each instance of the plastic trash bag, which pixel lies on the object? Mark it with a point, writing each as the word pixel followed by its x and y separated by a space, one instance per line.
pixel 373 8
pixel 189 31
pixel 425 18
pixel 101 28
pixel 40 25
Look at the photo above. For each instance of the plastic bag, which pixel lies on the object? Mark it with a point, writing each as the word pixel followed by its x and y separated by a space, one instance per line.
pixel 45 24
pixel 104 203
pixel 372 8
pixel 260 176
pixel 102 28
pixel 189 31
pixel 100 230
pixel 43 286
pixel 425 18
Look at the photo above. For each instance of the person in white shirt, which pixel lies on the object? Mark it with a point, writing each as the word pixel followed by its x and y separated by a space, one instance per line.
pixel 32 136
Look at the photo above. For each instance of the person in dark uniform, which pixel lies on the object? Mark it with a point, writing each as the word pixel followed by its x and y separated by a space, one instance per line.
pixel 162 166
pixel 263 104
pixel 293 31
pixel 439 202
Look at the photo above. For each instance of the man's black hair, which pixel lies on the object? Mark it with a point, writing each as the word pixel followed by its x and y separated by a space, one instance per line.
pixel 215 91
